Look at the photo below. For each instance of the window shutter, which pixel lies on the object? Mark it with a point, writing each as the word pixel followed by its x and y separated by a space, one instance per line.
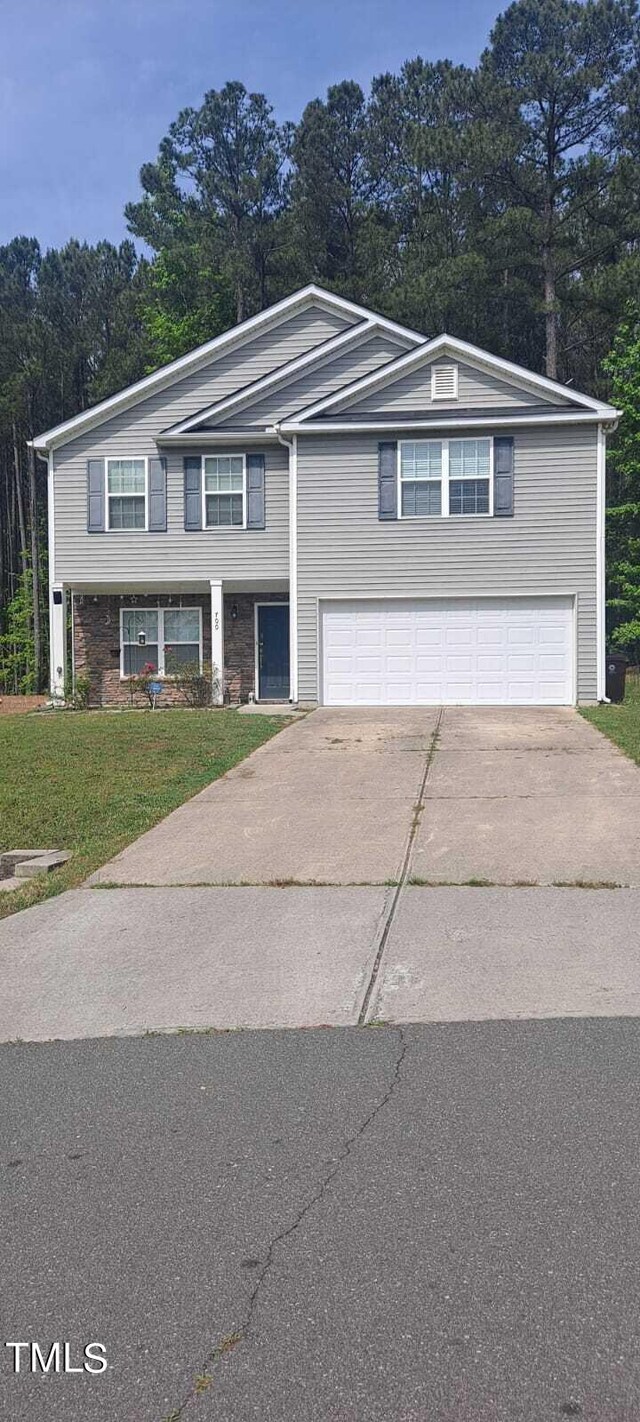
pixel 255 491
pixel 157 495
pixel 95 496
pixel 193 492
pixel 387 480
pixel 503 477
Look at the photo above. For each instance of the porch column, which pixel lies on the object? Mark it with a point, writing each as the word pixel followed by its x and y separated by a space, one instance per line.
pixel 217 637
pixel 57 638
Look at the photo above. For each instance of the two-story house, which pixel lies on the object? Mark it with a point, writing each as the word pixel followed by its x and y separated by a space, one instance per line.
pixel 331 508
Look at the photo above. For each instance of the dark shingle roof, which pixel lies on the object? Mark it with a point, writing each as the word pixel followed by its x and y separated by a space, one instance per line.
pixel 394 417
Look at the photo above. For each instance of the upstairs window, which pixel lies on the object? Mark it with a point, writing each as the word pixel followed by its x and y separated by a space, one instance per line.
pixel 126 493
pixel 444 382
pixel 224 491
pixel 445 478
pixel 420 478
pixel 469 476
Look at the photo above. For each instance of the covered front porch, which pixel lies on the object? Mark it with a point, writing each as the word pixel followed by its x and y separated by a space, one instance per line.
pixel 106 633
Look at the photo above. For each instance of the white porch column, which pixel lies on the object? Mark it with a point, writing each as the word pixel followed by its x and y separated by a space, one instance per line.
pixel 57 638
pixel 217 637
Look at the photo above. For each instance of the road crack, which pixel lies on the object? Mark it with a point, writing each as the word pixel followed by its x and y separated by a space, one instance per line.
pixel 204 1379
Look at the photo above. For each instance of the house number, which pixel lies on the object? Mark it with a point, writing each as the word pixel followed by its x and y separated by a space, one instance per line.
pixel 217 621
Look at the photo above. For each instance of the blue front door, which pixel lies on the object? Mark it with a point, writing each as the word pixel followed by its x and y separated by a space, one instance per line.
pixel 273 651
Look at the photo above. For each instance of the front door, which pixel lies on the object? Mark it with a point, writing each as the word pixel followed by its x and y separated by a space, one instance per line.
pixel 273 651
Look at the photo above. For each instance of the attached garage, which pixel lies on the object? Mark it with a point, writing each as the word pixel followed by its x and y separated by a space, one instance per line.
pixel 517 651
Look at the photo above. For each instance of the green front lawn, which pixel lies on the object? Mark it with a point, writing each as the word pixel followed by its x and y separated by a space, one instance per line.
pixel 621 723
pixel 91 782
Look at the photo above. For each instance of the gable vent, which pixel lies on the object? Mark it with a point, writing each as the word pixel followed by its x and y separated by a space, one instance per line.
pixel 444 382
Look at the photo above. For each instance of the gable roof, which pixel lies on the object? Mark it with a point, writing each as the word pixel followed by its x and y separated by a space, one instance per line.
pixel 427 352
pixel 317 356
pixel 308 296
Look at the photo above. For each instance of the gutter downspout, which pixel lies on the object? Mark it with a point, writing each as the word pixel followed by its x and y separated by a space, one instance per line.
pixel 292 446
pixel 601 497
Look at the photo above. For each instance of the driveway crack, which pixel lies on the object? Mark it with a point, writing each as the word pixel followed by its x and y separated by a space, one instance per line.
pixel 403 876
pixel 205 1378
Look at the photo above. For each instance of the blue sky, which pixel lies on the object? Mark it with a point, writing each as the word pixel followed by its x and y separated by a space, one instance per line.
pixel 89 87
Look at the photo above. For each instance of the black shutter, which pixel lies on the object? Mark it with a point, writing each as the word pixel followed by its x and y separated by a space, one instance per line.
pixel 95 496
pixel 193 492
pixel 388 480
pixel 503 477
pixel 255 491
pixel 157 496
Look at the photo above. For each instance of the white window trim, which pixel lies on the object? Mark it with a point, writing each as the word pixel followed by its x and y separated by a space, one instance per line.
pixel 445 480
pixel 224 527
pixel 160 670
pixel 118 459
pixel 438 365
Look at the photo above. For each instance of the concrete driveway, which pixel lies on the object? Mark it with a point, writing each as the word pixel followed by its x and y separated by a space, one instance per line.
pixel 503 795
pixel 528 796
pixel 403 865
pixel 330 800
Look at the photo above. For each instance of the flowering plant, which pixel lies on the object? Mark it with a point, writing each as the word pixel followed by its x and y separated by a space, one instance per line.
pixel 144 683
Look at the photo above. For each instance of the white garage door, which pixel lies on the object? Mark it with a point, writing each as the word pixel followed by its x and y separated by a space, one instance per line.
pixel 457 652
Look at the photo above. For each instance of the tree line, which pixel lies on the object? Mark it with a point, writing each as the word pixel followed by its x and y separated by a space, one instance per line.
pixel 500 203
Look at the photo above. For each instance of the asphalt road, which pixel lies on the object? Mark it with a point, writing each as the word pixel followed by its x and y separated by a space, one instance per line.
pixel 436 1222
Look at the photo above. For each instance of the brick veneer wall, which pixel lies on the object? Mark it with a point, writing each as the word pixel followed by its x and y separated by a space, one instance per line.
pixel 96 634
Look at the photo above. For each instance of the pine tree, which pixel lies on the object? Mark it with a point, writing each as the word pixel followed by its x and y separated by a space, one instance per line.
pixel 553 88
pixel 623 512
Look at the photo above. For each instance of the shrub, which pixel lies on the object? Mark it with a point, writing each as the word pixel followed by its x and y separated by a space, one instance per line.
pixel 198 687
pixel 141 685
pixel 81 691
pixel 76 693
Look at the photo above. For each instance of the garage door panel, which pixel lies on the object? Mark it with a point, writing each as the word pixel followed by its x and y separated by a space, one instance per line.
pixel 429 636
pixel 425 663
pixel 551 636
pixel 458 636
pixel 513 651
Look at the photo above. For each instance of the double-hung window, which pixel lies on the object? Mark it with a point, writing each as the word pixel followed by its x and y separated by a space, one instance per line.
pixel 126 493
pixel 161 637
pixel 469 476
pixel 139 640
pixel 420 477
pixel 224 491
pixel 444 477
pixel 181 636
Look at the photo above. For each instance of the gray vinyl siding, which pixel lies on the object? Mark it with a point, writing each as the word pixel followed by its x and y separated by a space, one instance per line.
pixel 115 556
pixel 549 546
pixel 135 429
pixel 234 553
pixel 316 384
pixel 476 388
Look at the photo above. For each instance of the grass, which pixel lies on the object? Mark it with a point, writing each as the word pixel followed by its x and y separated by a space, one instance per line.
pixel 92 782
pixel 620 723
